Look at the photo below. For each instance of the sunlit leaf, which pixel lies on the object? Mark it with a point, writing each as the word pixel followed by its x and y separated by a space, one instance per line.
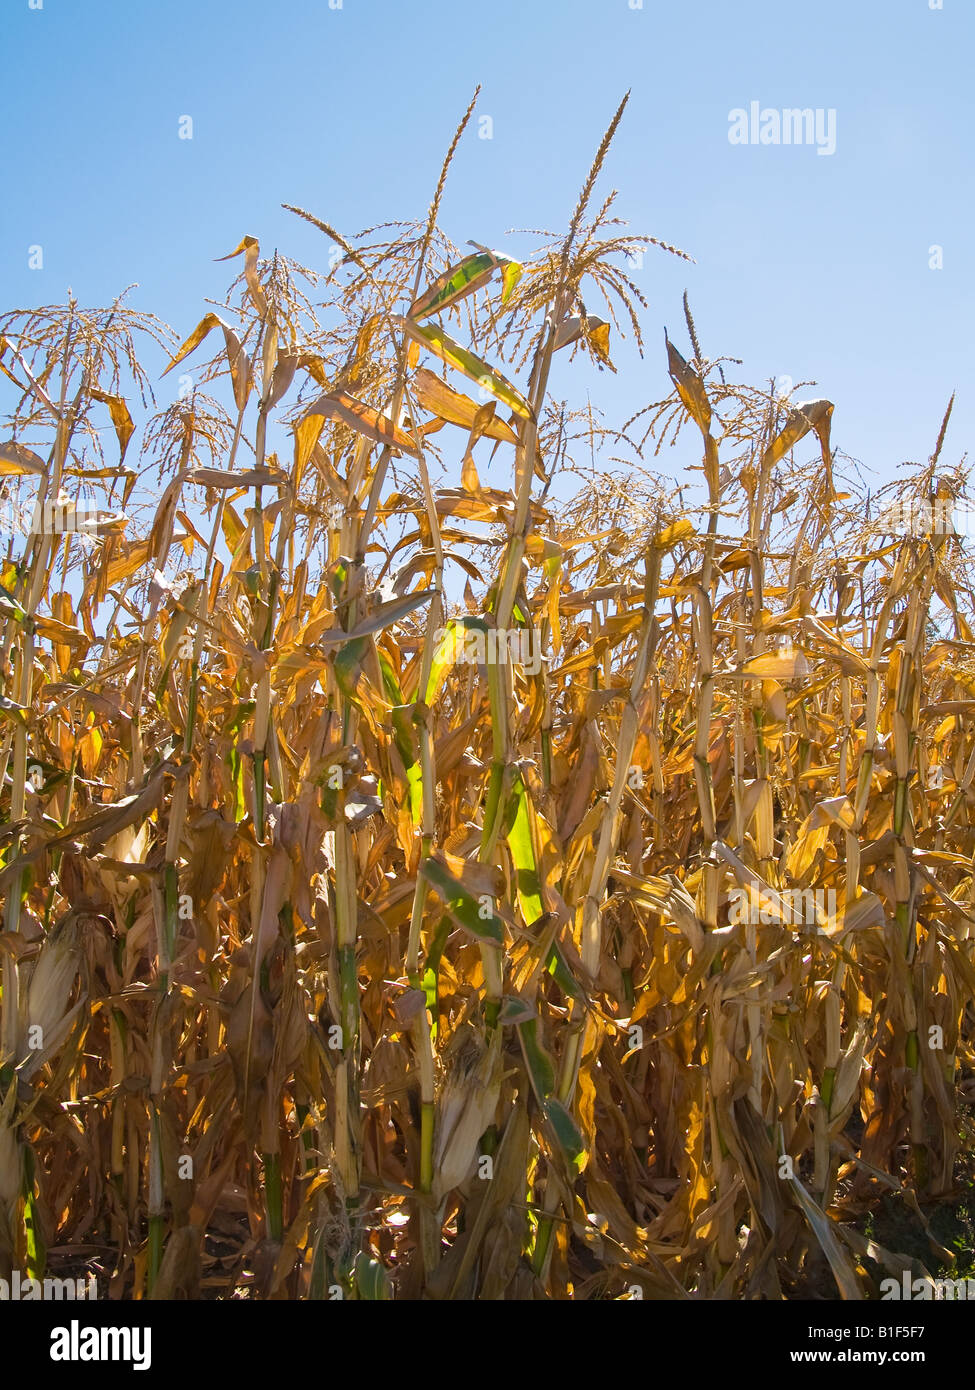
pixel 488 378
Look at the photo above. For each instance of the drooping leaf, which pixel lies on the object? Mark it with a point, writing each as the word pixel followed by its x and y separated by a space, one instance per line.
pixel 240 368
pixel 448 350
pixel 541 1068
pixel 56 631
pixel 364 419
pixel 16 459
pixel 690 387
pixel 673 534
pixel 251 249
pixel 455 284
pixel 806 416
pixel 384 616
pixel 462 906
pixel 567 1133
pixel 121 419
pixel 457 409
pixel 226 480
pixel 512 273
pixel 592 328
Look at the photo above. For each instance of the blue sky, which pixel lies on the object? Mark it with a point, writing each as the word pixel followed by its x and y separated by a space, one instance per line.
pixel 806 265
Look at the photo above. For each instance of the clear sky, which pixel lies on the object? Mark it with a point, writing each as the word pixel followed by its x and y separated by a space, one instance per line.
pixel 807 265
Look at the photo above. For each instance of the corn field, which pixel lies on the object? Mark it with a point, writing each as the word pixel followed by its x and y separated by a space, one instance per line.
pixel 440 859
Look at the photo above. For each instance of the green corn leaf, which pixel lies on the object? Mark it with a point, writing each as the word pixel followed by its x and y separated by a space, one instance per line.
pixel 522 845
pixel 445 655
pixel 515 1010
pixel 541 1068
pixel 462 906
pixel 511 274
pixel 463 279
pixel 11 608
pixel 455 284
pixel 448 350
pixel 558 967
pixel 403 736
pixel 371 1279
pixel 566 1132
